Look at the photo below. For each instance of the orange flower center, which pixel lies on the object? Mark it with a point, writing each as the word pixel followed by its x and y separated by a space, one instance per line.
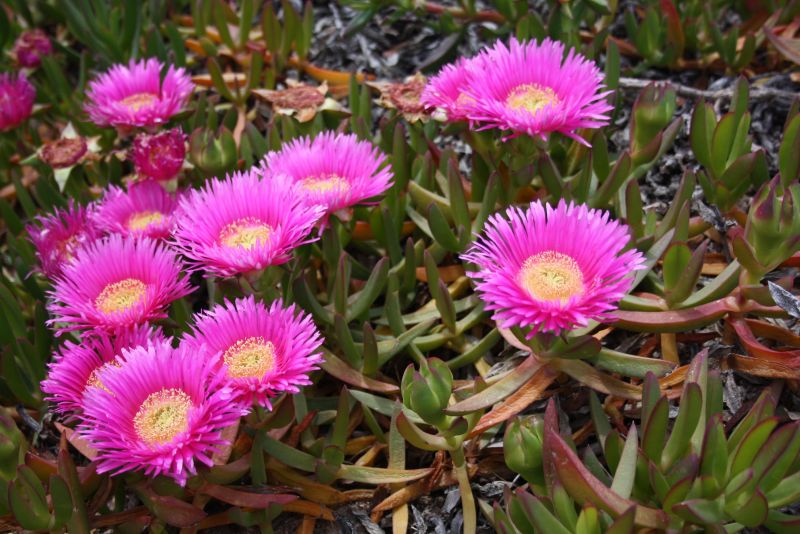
pixel 531 97
pixel 245 233
pixel 120 296
pixel 94 379
pixel 143 219
pixel 325 183
pixel 551 276
pixel 137 101
pixel 250 357
pixel 162 416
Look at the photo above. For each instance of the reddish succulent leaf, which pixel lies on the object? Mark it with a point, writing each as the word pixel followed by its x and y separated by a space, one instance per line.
pixel 337 368
pixel 249 499
pixel 584 487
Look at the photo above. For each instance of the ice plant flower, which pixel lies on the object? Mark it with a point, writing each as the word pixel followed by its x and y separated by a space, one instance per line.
pixel 117 282
pixel 242 224
pixel 159 156
pixel 134 94
pixel 146 209
pixel 17 95
pixel 58 237
pixel 299 100
pixel 64 153
pixel 332 170
pixel 445 91
pixel 552 268
pixel 160 411
pixel 531 88
pixel 266 350
pixel 76 366
pixel 31 45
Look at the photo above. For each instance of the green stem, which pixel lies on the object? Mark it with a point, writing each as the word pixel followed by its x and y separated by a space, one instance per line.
pixel 467 500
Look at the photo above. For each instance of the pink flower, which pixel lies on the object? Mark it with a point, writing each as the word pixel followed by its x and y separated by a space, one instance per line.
pixel 332 170
pixel 242 224
pixel 75 366
pixel 552 269
pixel 160 411
pixel 58 237
pixel 134 95
pixel 445 91
pixel 146 209
pixel 31 46
pixel 17 95
pixel 159 156
pixel 266 350
pixel 117 282
pixel 532 89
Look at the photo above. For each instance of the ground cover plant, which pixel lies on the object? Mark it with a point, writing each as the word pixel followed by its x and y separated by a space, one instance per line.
pixel 393 266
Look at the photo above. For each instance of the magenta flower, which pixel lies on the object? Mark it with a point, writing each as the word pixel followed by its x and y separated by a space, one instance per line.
pixel 532 89
pixel 76 366
pixel 242 224
pixel 31 46
pixel 445 91
pixel 146 209
pixel 58 237
pixel 117 282
pixel 160 411
pixel 332 170
pixel 134 95
pixel 266 350
pixel 552 269
pixel 17 95
pixel 159 156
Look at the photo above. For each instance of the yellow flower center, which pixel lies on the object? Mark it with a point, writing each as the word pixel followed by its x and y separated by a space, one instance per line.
pixel 120 296
pixel 325 183
pixel 137 101
pixel 162 416
pixel 250 357
pixel 245 233
pixel 94 379
pixel 531 97
pixel 551 276
pixel 143 219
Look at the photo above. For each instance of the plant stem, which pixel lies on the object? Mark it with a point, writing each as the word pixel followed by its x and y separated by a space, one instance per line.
pixel 467 500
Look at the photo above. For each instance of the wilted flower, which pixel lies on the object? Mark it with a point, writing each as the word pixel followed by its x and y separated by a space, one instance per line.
pixel 31 45
pixel 159 156
pixel 117 282
pixel 266 350
pixel 552 269
pixel 405 97
pixel 146 209
pixel 76 366
pixel 17 95
pixel 58 237
pixel 298 99
pixel 159 411
pixel 65 152
pixel 332 170
pixel 533 89
pixel 134 95
pixel 242 224
pixel 445 91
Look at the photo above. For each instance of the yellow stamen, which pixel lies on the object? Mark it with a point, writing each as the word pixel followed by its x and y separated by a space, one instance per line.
pixel 143 219
pixel 120 296
pixel 162 416
pixel 551 276
pixel 325 183
pixel 531 97
pixel 245 233
pixel 94 379
pixel 137 101
pixel 250 357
